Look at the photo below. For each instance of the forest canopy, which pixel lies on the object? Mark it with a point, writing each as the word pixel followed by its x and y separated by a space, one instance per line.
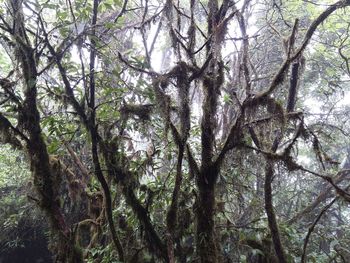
pixel 206 131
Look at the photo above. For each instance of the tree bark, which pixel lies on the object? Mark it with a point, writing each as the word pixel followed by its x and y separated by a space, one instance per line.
pixel 205 211
pixel 46 179
pixel 271 216
pixel 125 179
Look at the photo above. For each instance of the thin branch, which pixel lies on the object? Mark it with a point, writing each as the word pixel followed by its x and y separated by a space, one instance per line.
pixel 312 227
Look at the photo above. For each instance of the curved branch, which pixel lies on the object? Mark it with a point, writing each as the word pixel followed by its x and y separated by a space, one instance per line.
pixel 312 227
pixel 279 76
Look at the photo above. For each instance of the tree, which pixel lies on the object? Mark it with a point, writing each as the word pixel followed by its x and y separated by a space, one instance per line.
pixel 158 150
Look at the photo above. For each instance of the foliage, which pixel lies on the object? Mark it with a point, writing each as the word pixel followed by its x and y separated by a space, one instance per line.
pixel 189 131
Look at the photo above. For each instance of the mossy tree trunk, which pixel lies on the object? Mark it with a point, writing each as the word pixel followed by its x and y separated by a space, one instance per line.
pixel 46 180
pixel 205 211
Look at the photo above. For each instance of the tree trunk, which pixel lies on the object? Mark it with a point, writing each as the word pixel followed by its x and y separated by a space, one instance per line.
pixel 46 177
pixel 271 216
pixel 205 210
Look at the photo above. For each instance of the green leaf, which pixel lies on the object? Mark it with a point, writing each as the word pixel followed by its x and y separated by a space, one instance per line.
pixel 62 15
